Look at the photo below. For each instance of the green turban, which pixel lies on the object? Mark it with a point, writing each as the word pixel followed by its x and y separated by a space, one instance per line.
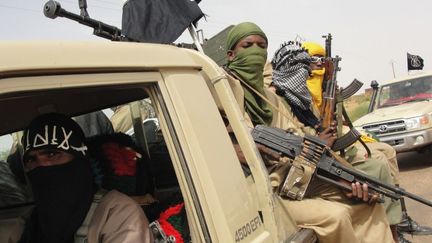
pixel 248 64
pixel 242 30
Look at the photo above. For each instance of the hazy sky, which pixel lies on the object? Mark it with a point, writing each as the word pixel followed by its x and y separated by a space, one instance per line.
pixel 368 35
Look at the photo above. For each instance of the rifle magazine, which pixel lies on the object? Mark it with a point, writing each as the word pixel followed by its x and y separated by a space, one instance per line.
pixel 351 89
pixel 346 140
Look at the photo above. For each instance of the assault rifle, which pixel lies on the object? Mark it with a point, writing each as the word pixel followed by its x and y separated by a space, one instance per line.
pixel 333 97
pixel 312 158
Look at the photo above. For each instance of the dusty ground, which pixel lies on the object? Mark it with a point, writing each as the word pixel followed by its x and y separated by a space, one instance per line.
pixel 416 177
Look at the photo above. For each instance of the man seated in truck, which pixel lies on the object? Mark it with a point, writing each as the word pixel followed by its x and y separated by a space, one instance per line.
pixel 379 151
pixel 67 206
pixel 328 211
pixel 292 70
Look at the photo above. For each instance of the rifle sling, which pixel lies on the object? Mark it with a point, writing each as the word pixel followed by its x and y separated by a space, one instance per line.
pixel 350 125
pixel 258 93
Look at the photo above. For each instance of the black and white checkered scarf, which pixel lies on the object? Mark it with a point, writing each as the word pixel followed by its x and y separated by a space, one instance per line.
pixel 291 70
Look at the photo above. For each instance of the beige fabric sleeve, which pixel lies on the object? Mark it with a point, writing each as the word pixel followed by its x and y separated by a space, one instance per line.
pixel 118 219
pixel 268 74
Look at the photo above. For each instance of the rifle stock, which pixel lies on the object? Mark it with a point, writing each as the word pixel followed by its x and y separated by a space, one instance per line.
pixel 326 165
pixel 329 95
pixel 328 109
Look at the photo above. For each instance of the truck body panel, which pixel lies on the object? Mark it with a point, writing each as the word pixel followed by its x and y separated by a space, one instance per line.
pixel 186 89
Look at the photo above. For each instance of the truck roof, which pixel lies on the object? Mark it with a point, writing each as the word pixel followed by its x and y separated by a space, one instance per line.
pixel 419 75
pixel 22 59
pixel 30 56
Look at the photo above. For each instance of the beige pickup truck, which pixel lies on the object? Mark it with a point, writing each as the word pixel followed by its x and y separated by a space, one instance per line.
pixel 223 204
pixel 402 114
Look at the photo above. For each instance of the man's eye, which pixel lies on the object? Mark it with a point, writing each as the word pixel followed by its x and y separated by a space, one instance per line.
pixel 246 45
pixel 262 45
pixel 51 154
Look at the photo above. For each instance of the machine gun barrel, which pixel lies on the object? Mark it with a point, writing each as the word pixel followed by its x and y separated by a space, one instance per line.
pixel 329 167
pixel 53 9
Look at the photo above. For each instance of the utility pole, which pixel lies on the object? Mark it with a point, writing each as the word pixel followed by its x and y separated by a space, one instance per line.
pixel 392 64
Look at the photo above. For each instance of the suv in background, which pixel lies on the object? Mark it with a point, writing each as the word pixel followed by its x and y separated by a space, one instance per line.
pixel 402 114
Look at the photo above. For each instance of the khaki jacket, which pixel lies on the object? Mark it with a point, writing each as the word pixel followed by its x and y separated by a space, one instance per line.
pixel 118 219
pixel 282 116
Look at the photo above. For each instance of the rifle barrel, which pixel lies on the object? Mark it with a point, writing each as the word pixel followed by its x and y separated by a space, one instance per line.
pixel 345 187
pixel 53 9
pixel 398 191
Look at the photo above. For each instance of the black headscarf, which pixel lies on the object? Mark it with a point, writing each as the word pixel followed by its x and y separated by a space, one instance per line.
pixel 62 193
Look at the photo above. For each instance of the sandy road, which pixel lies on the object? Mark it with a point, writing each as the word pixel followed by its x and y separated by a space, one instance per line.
pixel 416 177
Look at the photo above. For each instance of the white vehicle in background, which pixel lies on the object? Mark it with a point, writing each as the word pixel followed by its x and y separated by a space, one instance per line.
pixel 402 113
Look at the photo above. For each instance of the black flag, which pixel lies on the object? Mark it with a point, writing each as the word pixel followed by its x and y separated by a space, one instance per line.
pixel 158 21
pixel 415 62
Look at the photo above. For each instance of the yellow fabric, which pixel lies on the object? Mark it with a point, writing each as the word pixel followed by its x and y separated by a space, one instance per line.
pixel 314 84
pixel 314 49
pixel 367 139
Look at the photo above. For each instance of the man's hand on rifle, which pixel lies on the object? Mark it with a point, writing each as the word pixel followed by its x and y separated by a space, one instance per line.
pixel 361 193
pixel 265 151
pixel 328 135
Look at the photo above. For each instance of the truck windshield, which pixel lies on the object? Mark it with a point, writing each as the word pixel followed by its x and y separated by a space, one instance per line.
pixel 412 90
